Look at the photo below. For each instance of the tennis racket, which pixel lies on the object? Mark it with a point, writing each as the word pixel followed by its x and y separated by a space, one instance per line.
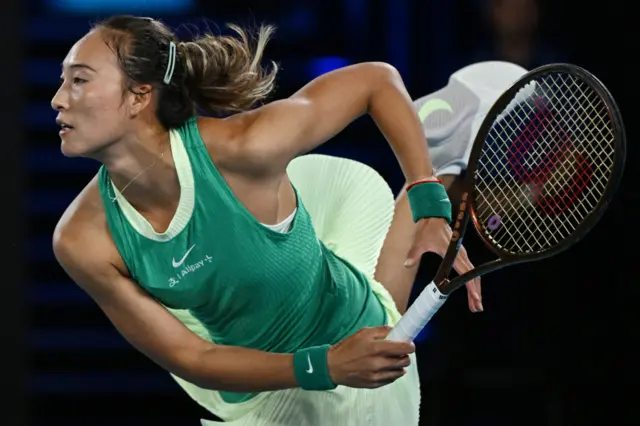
pixel 544 166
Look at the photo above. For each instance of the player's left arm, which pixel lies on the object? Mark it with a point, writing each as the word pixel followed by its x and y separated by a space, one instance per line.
pixel 284 129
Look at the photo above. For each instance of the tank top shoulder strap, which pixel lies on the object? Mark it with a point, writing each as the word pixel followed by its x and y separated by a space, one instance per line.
pixel 106 193
pixel 201 162
pixel 116 222
pixel 190 134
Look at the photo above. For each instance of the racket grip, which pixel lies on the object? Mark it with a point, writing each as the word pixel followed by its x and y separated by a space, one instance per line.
pixel 418 314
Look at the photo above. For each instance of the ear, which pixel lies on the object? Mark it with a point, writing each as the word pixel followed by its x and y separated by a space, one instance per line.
pixel 140 98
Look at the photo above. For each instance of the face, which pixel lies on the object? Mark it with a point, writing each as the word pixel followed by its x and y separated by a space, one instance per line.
pixel 91 106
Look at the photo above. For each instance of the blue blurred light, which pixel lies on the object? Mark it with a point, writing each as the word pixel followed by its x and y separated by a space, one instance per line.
pixel 356 18
pixel 323 65
pixel 121 6
pixel 398 35
pixel 300 22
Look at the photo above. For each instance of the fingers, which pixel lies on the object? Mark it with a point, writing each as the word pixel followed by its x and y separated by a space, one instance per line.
pixel 474 295
pixel 385 347
pixel 389 369
pixel 396 363
pixel 462 264
pixel 478 290
pixel 437 242
pixel 394 349
pixel 475 305
pixel 372 361
pixel 380 332
pixel 385 377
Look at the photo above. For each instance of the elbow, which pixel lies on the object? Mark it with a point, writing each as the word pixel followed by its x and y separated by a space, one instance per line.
pixel 381 79
pixel 382 74
pixel 383 67
pixel 196 368
pixel 375 75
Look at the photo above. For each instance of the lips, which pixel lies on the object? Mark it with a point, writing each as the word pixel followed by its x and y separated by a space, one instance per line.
pixel 64 126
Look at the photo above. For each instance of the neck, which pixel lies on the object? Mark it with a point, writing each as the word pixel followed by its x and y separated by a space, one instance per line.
pixel 141 167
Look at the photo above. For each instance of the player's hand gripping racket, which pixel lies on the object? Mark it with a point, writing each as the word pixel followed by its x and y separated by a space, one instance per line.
pixel 544 166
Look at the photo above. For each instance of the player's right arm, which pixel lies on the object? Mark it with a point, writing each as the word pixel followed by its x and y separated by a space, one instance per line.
pixel 84 248
pixel 154 331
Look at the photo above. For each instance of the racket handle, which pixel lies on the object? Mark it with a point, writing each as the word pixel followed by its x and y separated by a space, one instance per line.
pixel 418 314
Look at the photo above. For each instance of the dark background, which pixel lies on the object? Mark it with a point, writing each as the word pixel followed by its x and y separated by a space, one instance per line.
pixel 555 345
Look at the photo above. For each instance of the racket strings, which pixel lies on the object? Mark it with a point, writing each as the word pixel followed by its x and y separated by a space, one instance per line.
pixel 545 164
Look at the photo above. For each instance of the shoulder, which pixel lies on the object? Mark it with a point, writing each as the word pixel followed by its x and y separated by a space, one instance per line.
pixel 223 137
pixel 232 145
pixel 82 241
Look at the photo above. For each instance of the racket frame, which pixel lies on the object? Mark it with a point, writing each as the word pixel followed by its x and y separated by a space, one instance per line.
pixel 466 208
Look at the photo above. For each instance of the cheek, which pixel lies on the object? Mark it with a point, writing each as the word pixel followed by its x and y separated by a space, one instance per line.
pixel 105 105
pixel 100 115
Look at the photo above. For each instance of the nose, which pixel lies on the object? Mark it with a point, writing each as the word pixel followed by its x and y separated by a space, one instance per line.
pixel 60 100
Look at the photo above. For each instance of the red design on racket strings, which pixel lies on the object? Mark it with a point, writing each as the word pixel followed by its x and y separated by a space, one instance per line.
pixel 539 175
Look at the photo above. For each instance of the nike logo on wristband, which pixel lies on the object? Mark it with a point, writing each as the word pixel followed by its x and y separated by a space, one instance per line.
pixel 310 369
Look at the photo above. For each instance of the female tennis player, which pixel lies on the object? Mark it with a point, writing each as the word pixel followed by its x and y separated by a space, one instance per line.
pixel 249 271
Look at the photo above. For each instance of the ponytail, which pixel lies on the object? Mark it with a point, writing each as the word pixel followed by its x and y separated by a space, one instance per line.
pixel 223 73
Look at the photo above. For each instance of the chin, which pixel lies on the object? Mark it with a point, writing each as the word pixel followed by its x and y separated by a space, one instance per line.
pixel 69 150
pixel 73 150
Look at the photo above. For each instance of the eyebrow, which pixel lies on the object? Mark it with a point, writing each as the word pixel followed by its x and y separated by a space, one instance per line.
pixel 81 66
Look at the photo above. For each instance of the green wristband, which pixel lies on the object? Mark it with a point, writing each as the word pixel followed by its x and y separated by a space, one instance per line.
pixel 311 369
pixel 429 199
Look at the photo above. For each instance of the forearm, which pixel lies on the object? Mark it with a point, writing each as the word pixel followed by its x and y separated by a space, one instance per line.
pixel 391 108
pixel 237 369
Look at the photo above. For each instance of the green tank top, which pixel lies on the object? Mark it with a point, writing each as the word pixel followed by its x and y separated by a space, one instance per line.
pixel 248 285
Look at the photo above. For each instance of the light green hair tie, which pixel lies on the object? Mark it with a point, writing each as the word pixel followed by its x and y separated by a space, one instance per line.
pixel 171 63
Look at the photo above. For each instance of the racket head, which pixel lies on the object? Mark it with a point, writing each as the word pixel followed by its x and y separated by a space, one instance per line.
pixel 545 164
pixel 567 123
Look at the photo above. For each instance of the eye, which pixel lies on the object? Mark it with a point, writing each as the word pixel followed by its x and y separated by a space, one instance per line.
pixel 78 80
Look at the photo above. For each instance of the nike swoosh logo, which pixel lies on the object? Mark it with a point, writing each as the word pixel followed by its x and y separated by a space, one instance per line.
pixel 433 105
pixel 181 261
pixel 310 369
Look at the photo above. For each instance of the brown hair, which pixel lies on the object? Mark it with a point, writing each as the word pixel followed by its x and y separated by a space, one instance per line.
pixel 216 73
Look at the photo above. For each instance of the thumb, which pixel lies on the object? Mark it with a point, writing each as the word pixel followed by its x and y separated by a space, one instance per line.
pixel 413 256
